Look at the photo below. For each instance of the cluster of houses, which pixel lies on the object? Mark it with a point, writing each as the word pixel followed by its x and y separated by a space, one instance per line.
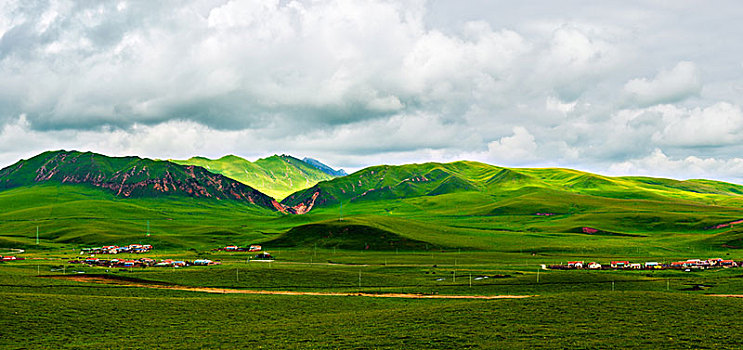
pixel 10 258
pixel 688 265
pixel 234 248
pixel 143 262
pixel 114 249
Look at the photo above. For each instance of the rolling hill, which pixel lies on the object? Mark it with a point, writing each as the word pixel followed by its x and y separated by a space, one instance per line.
pixel 276 176
pixel 432 179
pixel 354 236
pixel 485 200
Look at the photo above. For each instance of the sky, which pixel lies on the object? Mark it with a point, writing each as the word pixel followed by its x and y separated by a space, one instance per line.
pixel 613 87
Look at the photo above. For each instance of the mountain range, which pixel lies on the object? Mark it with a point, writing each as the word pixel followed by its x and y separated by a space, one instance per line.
pixel 129 177
pixel 433 179
pixel 464 203
pixel 324 168
pixel 276 176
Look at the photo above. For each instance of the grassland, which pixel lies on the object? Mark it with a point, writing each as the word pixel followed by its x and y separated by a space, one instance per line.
pixel 428 241
pixel 576 309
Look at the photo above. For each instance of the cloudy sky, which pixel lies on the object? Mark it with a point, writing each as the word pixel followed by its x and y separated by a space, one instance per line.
pixel 614 87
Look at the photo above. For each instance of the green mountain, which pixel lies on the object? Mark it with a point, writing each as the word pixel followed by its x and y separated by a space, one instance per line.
pixel 276 176
pixel 129 177
pixel 470 204
pixel 432 179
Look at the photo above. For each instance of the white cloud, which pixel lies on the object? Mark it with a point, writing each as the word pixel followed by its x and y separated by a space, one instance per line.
pixel 571 47
pixel 658 163
pixel 519 148
pixel 667 86
pixel 555 104
pixel 365 82
pixel 714 126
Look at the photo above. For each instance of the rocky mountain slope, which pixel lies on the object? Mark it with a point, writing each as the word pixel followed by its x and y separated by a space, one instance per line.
pixel 130 177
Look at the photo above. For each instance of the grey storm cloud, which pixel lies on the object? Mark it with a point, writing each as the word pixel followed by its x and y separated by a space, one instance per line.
pixel 607 87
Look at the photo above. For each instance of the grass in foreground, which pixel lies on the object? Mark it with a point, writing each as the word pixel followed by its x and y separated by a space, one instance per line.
pixel 574 309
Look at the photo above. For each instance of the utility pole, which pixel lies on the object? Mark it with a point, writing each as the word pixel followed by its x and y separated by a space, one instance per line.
pixel 537 275
pixel 359 278
pixel 37 234
pixel 470 280
pixel 148 228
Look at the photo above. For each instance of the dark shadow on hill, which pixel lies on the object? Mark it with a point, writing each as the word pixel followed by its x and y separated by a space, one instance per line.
pixel 346 236
pixel 730 239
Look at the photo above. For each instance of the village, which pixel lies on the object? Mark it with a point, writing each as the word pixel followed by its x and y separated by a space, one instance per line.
pixel 234 248
pixel 686 265
pixel 149 262
pixel 114 249
pixel 143 262
pixel 10 258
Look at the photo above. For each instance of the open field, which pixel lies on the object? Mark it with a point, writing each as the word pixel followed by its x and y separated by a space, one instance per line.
pixel 571 308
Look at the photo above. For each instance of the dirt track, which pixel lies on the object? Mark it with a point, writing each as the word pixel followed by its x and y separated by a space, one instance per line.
pixel 726 295
pixel 97 279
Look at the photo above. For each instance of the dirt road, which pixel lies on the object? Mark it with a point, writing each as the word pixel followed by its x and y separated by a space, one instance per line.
pixel 143 284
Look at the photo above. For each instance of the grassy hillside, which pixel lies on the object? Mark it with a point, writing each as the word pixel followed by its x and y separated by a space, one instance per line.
pixel 276 176
pixel 471 204
pixel 77 215
pixel 433 179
